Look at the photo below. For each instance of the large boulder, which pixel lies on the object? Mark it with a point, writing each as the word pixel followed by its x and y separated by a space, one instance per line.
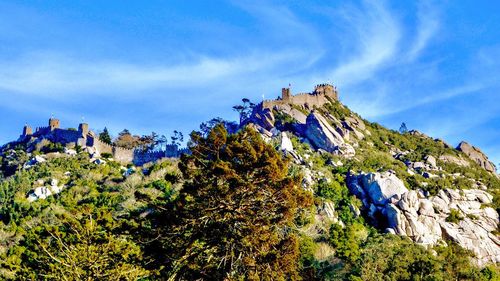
pixel 423 218
pixel 263 117
pixel 286 143
pixel 379 187
pixel 477 156
pixel 431 161
pixel 454 160
pixel 321 134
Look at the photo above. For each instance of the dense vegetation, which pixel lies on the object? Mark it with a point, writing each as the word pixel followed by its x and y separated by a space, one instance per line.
pixel 234 209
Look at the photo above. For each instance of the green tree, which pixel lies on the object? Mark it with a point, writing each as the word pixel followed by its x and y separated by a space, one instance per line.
pixel 234 214
pixel 104 136
pixel 177 138
pixel 81 248
pixel 244 109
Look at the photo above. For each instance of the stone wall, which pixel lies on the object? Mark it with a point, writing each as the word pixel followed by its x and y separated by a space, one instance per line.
pixel 100 146
pixel 120 154
pixel 66 136
pixel 123 155
pixel 322 94
pixel 140 157
pixel 41 131
pixel 86 138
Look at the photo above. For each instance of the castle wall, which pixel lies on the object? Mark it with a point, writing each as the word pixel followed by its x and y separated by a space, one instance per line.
pixel 120 154
pixel 320 96
pixel 140 157
pixel 86 138
pixel 40 131
pixel 123 155
pixel 66 136
pixel 100 146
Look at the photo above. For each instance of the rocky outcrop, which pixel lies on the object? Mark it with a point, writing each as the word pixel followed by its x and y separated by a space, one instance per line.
pixel 286 143
pixel 477 156
pixel 454 160
pixel 43 192
pixel 34 161
pixel 424 218
pixel 377 188
pixel 321 134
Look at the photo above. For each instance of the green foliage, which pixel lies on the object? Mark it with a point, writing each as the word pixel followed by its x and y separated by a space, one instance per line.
pixel 105 137
pixel 454 216
pixel 92 222
pixel 338 110
pixel 52 147
pixel 232 215
pixel 106 155
pixel 390 257
pixel 283 121
pixel 80 249
pixel 347 241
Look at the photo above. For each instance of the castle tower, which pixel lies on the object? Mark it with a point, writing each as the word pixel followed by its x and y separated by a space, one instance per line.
pixel 53 124
pixel 27 130
pixel 285 94
pixel 327 90
pixel 84 129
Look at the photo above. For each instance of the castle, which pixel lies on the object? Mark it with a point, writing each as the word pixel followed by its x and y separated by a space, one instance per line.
pixel 85 138
pixel 322 94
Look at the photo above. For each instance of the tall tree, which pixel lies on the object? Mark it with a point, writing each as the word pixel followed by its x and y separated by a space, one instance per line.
pixel 244 109
pixel 177 138
pixel 403 129
pixel 207 126
pixel 104 136
pixel 233 216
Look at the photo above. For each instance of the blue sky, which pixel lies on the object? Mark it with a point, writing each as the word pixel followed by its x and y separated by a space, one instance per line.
pixel 165 65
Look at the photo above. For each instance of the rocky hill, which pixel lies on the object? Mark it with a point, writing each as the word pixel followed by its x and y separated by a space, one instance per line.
pixel 374 203
pixel 409 184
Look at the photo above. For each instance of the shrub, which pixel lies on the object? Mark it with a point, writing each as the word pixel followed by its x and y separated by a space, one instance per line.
pixel 106 155
pixel 454 216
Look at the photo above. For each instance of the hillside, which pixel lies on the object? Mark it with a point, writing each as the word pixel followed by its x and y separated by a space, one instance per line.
pixel 318 193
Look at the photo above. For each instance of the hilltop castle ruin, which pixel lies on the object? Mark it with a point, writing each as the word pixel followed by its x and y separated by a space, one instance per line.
pixel 322 94
pixel 87 139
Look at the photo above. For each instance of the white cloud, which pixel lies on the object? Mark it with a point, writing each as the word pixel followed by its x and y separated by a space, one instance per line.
pixel 377 34
pixel 428 25
pixel 51 75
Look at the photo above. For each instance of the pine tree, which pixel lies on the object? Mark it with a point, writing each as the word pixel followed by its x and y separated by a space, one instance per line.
pixel 403 129
pixel 104 136
pixel 234 214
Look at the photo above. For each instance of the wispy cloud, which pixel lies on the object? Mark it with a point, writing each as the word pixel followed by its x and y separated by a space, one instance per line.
pixel 377 35
pixel 428 25
pixel 54 75
pixel 386 58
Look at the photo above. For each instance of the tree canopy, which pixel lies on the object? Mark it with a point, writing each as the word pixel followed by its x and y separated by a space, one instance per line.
pixel 235 212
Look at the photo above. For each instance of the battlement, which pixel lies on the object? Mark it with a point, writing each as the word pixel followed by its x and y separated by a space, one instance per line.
pixel 83 128
pixel 27 131
pixel 54 124
pixel 84 137
pixel 322 94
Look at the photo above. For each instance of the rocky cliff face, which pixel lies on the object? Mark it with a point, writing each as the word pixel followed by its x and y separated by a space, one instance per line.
pixel 427 219
pixel 397 200
pixel 476 155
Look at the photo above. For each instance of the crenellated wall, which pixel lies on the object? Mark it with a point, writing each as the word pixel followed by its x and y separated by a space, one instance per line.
pixel 141 157
pixel 322 94
pixel 123 155
pixel 86 138
pixel 66 136
pixel 101 147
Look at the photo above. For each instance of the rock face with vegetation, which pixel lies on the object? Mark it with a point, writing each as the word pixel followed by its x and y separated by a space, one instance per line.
pixel 302 189
pixel 477 156
pixel 460 215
